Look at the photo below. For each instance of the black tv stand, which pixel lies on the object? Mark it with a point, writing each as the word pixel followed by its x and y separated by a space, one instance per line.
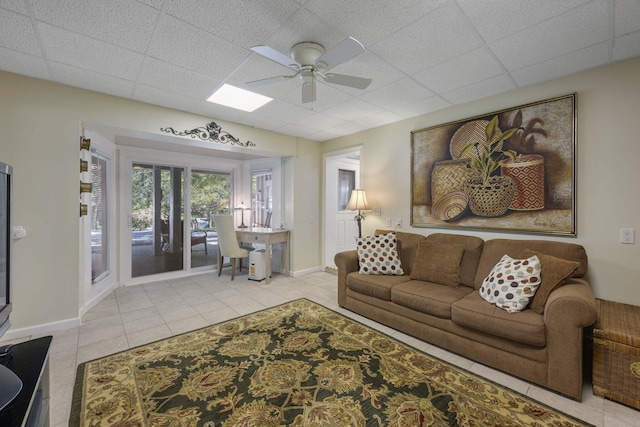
pixel 30 362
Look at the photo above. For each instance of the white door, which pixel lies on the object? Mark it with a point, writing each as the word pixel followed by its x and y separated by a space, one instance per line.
pixel 342 174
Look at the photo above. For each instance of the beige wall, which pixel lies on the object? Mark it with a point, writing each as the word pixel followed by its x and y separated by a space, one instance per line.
pixel 608 168
pixel 40 126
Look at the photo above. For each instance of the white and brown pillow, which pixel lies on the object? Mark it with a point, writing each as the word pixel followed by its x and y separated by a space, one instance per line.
pixel 379 255
pixel 512 283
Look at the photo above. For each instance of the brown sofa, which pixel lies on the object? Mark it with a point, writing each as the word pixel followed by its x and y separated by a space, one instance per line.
pixel 546 349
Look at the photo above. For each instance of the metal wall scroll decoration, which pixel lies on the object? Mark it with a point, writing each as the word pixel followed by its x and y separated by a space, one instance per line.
pixel 211 132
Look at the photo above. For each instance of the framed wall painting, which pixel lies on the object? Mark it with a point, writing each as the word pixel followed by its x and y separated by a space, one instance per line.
pixel 509 170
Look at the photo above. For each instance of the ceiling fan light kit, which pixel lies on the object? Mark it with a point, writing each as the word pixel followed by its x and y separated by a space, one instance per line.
pixel 309 60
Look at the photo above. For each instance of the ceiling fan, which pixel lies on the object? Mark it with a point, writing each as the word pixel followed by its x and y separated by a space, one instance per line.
pixel 310 61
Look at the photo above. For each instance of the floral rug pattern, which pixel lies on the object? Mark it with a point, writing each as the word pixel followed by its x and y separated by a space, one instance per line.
pixel 298 364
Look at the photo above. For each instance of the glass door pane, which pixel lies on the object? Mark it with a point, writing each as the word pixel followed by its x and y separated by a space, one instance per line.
pixel 210 195
pixel 99 219
pixel 261 199
pixel 157 219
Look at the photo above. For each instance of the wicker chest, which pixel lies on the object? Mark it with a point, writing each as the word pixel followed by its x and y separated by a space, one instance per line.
pixel 616 353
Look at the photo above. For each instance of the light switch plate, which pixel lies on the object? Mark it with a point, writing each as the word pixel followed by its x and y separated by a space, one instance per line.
pixel 627 236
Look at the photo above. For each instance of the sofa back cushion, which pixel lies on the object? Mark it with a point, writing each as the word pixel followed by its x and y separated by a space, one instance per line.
pixel 471 257
pixel 407 247
pixel 494 250
pixel 438 263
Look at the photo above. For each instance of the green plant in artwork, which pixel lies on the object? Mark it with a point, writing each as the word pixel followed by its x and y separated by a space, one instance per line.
pixel 489 154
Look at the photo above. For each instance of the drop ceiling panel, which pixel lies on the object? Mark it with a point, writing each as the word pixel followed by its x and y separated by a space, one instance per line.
pixel 627 17
pixel 574 30
pixel 626 47
pixel 497 19
pixel 421 107
pixel 155 96
pixel 16 33
pixel 388 96
pixel 22 63
pixel 480 90
pixel 91 80
pixel 242 22
pixel 14 5
pixel 466 69
pixel 170 77
pixel 181 44
pixel 124 23
pixel 91 54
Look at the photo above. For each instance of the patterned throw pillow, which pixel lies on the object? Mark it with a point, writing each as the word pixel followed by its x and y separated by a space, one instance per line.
pixel 512 283
pixel 379 255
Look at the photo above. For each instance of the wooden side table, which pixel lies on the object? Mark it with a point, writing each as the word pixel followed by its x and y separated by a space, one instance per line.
pixel 616 353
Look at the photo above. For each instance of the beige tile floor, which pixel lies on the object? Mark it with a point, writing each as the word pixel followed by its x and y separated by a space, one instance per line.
pixel 136 315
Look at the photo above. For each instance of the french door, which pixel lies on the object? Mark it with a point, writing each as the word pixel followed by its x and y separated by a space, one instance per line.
pixel 157 225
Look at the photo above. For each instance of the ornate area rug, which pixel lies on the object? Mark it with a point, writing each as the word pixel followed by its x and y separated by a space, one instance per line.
pixel 298 364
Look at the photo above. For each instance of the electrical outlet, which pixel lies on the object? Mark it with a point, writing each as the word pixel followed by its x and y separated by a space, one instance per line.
pixel 376 212
pixel 388 222
pixel 628 236
pixel 398 222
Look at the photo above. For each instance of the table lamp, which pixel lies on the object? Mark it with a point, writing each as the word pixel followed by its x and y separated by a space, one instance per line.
pixel 242 207
pixel 358 202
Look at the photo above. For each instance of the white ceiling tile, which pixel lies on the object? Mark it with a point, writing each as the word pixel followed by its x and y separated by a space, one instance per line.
pixel 464 70
pixel 125 23
pixel 320 121
pixel 627 17
pixel 424 106
pixel 257 67
pixel 496 19
pixel 583 59
pixel 281 110
pixel 84 52
pixel 91 80
pixel 296 130
pixel 170 77
pixel 14 5
pixel 152 95
pixel 577 29
pixel 371 66
pixel 371 20
pixel 16 32
pixel 354 109
pixel 483 89
pixel 379 119
pixel 156 4
pixel 627 46
pixel 323 136
pixel 22 63
pixel 218 111
pixel 187 46
pixel 400 92
pixel 262 122
pixel 441 35
pixel 243 22
pixel 304 27
pixel 346 129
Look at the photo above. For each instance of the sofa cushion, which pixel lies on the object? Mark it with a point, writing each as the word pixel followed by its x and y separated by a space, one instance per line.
pixel 378 254
pixel 378 286
pixel 512 283
pixel 526 327
pixel 438 263
pixel 495 248
pixel 427 297
pixel 472 251
pixel 555 272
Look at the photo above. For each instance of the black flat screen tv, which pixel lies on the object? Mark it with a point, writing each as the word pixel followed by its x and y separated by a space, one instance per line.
pixel 10 384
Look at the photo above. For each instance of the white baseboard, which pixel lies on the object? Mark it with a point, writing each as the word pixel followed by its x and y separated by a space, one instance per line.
pixel 40 330
pixel 306 271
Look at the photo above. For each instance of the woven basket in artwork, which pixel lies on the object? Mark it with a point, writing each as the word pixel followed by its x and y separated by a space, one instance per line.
pixel 448 176
pixel 528 174
pixel 490 200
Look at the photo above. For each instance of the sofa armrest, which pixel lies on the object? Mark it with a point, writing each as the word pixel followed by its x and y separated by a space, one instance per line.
pixel 568 310
pixel 347 262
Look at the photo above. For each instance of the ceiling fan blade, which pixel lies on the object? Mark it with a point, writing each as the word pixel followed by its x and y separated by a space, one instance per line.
pixel 344 51
pixel 276 56
pixel 308 91
pixel 269 80
pixel 344 80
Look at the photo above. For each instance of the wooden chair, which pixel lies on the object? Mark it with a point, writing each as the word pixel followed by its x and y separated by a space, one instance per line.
pixel 228 243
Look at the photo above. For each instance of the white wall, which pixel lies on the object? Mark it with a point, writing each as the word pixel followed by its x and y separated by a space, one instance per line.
pixel 608 169
pixel 40 126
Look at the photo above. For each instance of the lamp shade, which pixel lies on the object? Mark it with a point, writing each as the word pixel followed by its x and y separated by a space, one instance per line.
pixel 358 201
pixel 241 207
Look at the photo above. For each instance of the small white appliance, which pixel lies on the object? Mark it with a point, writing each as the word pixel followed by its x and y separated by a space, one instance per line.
pixel 257 265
